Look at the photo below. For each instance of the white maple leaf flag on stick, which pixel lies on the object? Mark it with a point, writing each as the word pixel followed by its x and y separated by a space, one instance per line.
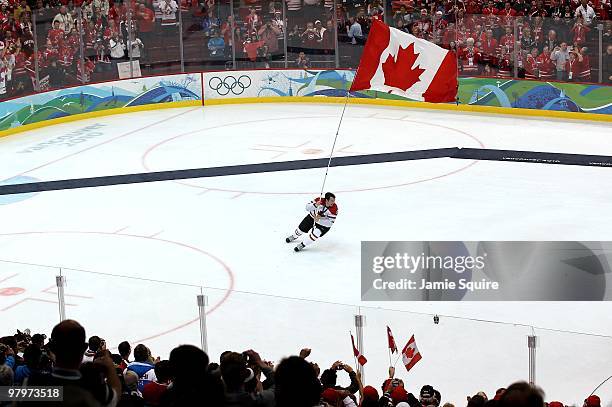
pixel 360 358
pixel 399 63
pixel 410 354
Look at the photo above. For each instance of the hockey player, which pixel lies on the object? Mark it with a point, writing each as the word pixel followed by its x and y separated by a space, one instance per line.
pixel 322 213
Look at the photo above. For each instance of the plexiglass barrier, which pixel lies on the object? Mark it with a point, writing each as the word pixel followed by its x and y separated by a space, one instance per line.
pixel 460 355
pixel 49 47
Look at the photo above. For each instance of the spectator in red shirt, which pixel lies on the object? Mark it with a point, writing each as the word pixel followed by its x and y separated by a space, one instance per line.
pixel 573 66
pixel 154 391
pixel 546 66
pixel 488 46
pixel 56 34
pixel 253 21
pixel 490 9
pixel 531 65
pixel 146 24
pixel 469 58
pixel 507 40
pixel 585 66
pixel 579 32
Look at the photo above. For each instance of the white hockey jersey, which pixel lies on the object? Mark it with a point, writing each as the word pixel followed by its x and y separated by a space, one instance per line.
pixel 328 215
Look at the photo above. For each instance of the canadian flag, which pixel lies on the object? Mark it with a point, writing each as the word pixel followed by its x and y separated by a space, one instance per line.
pixel 410 354
pixel 360 358
pixel 402 64
pixel 391 340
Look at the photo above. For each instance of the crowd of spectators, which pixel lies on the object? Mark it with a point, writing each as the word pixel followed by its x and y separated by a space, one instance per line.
pixel 78 41
pixel 91 375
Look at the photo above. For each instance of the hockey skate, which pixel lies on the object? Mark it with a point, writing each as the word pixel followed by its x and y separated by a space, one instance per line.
pixel 290 239
pixel 299 247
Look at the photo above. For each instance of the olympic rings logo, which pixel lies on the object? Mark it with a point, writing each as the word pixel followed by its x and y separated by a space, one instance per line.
pixel 229 84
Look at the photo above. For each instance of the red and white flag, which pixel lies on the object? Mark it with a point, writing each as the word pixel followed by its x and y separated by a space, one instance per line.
pixel 391 340
pixel 410 354
pixel 399 63
pixel 360 358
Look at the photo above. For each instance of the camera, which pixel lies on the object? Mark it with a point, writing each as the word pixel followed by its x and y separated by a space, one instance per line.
pixel 436 319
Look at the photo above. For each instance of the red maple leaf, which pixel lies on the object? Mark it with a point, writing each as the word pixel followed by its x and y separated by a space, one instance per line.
pixel 400 74
pixel 409 353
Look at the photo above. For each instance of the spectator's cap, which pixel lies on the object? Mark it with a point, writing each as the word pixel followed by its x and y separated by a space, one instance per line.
pixel 318 22
pixel 555 404
pixel 592 401
pixel 331 396
pixel 438 13
pixel 399 394
pixel 402 404
pixel 423 11
pixel 370 393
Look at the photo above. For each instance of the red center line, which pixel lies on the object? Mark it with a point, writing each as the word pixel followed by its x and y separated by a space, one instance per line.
pixel 129 133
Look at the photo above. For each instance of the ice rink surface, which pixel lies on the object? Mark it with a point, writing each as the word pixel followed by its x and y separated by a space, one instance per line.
pixel 135 256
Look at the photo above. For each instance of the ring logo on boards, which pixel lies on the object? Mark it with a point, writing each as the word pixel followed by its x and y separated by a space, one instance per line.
pixel 223 86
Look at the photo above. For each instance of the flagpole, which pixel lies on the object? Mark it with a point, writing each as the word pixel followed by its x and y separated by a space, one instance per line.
pixel 457 53
pixel 335 139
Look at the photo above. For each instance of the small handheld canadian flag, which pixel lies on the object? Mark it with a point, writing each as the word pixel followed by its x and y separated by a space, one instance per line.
pixel 360 358
pixel 391 340
pixel 399 63
pixel 410 354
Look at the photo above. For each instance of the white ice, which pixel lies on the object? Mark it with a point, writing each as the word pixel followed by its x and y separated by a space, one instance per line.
pixel 228 233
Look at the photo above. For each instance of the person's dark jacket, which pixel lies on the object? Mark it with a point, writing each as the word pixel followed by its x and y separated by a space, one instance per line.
pixel 607 68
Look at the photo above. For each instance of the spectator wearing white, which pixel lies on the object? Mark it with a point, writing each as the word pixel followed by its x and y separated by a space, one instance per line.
pixel 4 73
pixel 65 20
pixel 102 5
pixel 278 23
pixel 586 12
pixel 87 10
pixel 95 344
pixel 319 28
pixel 354 31
pixel 560 56
pixel 168 10
pixel 117 50
pixel 135 46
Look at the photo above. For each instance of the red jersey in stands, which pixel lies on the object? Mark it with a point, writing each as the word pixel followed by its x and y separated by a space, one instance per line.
pixel 573 68
pixel 20 65
pixel 531 67
pixel 89 67
pixel 56 37
pixel 584 74
pixel 250 48
pixel 505 66
pixel 507 15
pixel 66 56
pixel 580 31
pixel 507 40
pixel 546 66
pixel 469 58
pixel 490 11
pixel 488 47
pixel 472 7
pixel 146 20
